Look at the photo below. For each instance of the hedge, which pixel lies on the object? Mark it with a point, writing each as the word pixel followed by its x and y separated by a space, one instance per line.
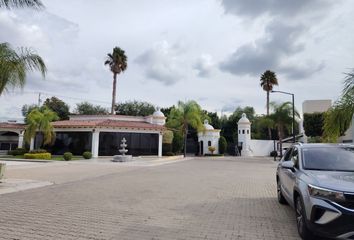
pixel 87 155
pixel 68 156
pixel 18 151
pixel 213 155
pixel 47 156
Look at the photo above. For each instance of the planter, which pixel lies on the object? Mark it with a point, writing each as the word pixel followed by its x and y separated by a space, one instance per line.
pixel 2 170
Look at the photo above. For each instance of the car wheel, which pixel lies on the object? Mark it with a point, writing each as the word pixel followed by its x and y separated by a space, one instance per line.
pixel 302 228
pixel 280 195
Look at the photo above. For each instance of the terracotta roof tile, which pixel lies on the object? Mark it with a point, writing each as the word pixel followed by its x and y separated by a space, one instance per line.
pixel 12 125
pixel 105 123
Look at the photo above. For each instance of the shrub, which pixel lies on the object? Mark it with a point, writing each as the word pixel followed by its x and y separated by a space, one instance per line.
pixel 37 156
pixel 169 154
pixel 273 153
pixel 18 151
pixel 177 142
pixel 87 155
pixel 68 156
pixel 211 149
pixel 166 147
pixel 222 145
pixel 38 151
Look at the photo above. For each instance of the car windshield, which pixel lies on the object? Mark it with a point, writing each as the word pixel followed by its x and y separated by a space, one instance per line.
pixel 329 158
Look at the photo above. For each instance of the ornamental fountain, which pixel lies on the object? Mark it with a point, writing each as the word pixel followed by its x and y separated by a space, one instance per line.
pixel 123 151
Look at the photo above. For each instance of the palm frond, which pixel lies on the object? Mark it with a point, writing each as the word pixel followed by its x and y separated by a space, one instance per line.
pixel 35 4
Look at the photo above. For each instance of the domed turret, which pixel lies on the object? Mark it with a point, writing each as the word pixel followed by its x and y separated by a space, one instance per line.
pixel 158 117
pixel 244 119
pixel 207 126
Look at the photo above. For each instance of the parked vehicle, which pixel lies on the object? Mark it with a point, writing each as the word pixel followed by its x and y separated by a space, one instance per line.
pixel 317 180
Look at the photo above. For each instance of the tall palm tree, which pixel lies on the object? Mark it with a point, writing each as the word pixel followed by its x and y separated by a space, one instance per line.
pixel 40 120
pixel 268 80
pixel 282 118
pixel 185 115
pixel 15 65
pixel 117 61
pixel 36 4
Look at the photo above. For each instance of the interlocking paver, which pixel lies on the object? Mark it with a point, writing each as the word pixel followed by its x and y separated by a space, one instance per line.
pixel 204 198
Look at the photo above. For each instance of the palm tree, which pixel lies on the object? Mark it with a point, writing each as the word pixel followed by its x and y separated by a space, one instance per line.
pixel 36 4
pixel 282 118
pixel 268 80
pixel 339 117
pixel 117 62
pixel 15 65
pixel 40 120
pixel 185 115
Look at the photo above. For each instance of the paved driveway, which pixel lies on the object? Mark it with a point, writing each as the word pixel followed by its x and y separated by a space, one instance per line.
pixel 202 198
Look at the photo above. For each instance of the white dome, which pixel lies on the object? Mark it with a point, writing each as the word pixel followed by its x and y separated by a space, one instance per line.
pixel 207 126
pixel 244 119
pixel 158 113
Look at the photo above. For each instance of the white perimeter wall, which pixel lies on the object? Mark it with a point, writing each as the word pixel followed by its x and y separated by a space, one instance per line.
pixel 261 147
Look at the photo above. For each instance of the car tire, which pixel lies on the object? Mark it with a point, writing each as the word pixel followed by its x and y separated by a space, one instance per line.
pixel 281 198
pixel 302 228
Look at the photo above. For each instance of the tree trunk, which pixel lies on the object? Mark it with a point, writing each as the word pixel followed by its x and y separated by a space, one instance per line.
pixel 269 130
pixel 114 92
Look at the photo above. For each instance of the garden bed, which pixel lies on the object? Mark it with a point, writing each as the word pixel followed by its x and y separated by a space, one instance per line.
pixel 54 158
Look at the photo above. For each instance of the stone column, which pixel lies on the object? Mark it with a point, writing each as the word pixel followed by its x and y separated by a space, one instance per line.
pixel 20 139
pixel 32 144
pixel 160 145
pixel 95 142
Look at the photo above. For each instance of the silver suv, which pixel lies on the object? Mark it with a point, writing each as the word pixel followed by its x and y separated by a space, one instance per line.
pixel 317 180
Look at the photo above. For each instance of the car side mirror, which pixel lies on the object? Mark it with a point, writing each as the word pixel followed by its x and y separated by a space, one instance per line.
pixel 288 165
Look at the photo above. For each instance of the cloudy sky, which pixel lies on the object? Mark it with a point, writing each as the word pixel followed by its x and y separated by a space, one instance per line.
pixel 212 51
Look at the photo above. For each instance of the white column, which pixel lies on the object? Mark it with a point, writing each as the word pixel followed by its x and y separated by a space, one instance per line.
pixel 95 142
pixel 160 145
pixel 20 139
pixel 32 144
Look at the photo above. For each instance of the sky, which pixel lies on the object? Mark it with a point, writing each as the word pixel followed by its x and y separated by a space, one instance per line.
pixel 211 51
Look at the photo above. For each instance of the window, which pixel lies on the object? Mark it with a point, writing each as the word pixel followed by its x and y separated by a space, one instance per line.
pixel 248 131
pixel 5 146
pixel 243 131
pixel 295 157
pixel 287 155
pixel 209 143
pixel 239 131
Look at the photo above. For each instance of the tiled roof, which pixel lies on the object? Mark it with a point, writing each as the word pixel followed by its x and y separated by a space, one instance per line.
pixel 105 123
pixel 20 126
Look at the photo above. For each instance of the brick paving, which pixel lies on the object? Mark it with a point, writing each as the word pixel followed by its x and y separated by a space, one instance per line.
pixel 202 198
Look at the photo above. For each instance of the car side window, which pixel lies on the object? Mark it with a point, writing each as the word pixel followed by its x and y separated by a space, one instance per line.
pixel 295 157
pixel 287 155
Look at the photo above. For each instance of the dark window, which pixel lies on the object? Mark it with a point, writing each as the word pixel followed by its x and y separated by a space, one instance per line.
pixel 287 155
pixel 248 131
pixel 243 131
pixel 74 142
pixel 295 157
pixel 329 158
pixel 239 131
pixel 138 143
pixel 209 143
pixel 5 146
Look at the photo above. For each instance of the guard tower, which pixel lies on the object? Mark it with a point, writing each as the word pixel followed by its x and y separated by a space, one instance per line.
pixel 244 135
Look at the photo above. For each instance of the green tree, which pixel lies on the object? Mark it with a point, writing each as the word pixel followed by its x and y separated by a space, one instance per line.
pixel 117 62
pixel 185 115
pixel 222 145
pixel 313 124
pixel 26 109
pixel 135 108
pixel 282 118
pixel 14 66
pixel 58 106
pixel 213 119
pixel 40 120
pixel 268 80
pixel 339 117
pixel 36 4
pixel 86 108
